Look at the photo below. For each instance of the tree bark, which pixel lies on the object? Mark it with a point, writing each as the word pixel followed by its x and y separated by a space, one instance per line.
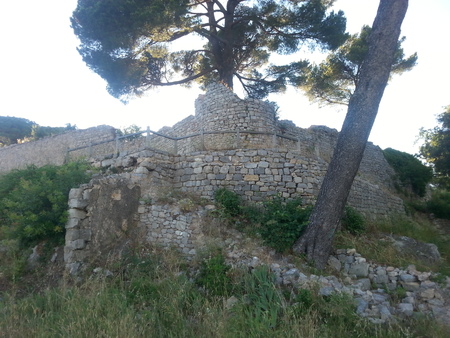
pixel 325 218
pixel 222 47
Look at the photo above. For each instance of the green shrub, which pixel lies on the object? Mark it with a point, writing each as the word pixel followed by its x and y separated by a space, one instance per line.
pixel 411 172
pixel 303 301
pixel 353 221
pixel 439 204
pixel 213 275
pixel 33 201
pixel 228 201
pixel 282 222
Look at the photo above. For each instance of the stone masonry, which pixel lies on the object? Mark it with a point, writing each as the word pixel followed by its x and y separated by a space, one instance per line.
pixel 230 142
pixel 53 149
pixel 130 207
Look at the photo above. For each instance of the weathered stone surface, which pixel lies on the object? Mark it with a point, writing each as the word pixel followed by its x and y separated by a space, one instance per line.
pixel 363 284
pixel 251 178
pixel 426 252
pixel 334 263
pixel 78 203
pixel 381 279
pixel 406 309
pixel 359 269
pixel 405 277
pixel 77 244
pixel 72 223
pixel 427 294
pixel 410 286
pixel 77 213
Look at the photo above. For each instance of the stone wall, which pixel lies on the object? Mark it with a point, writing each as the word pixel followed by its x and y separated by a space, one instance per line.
pixel 230 142
pixel 53 150
pixel 222 121
pixel 112 214
pixel 154 196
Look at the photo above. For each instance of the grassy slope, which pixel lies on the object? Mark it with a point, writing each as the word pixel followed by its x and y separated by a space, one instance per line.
pixel 157 295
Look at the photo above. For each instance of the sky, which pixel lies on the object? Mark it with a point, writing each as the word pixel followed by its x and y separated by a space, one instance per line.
pixel 43 78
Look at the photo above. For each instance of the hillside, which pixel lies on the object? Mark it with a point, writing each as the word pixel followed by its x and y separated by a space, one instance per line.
pixel 187 232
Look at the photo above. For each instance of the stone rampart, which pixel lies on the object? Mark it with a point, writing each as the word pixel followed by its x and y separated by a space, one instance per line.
pixel 53 150
pixel 230 142
pixel 158 190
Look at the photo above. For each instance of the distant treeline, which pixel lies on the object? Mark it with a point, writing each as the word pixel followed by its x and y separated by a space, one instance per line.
pixel 18 130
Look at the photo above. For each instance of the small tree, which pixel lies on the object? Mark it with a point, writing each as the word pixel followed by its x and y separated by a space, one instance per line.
pixel 410 171
pixel 436 148
pixel 132 44
pixel 33 201
pixel 334 80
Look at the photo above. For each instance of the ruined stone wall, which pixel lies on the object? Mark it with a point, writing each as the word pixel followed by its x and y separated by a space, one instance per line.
pixel 258 173
pixel 151 200
pixel 53 150
pixel 230 142
pixel 226 121
pixel 222 121
pixel 114 213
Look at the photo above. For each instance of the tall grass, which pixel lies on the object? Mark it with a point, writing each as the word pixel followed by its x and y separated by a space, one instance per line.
pixel 374 246
pixel 150 297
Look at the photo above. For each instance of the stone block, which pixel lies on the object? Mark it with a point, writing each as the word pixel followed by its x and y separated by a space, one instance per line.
pixel 77 213
pixel 427 294
pixel 141 171
pixel 364 284
pixel 72 223
pixel 85 234
pixel 405 277
pixel 359 269
pixel 410 286
pixel 108 162
pixel 78 203
pixel 406 309
pixel 334 263
pixel 381 279
pixel 78 244
pixel 224 170
pixel 76 193
pixel 72 235
pixel 259 171
pixel 251 177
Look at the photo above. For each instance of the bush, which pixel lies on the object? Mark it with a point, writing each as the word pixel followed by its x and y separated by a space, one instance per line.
pixel 411 172
pixel 228 201
pixel 282 222
pixel 439 204
pixel 353 221
pixel 33 201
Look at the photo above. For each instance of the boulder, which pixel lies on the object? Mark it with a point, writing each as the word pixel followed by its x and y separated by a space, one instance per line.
pixel 425 252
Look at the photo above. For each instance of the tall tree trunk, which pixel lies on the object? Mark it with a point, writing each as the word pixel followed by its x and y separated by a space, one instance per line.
pixel 222 47
pixel 317 240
